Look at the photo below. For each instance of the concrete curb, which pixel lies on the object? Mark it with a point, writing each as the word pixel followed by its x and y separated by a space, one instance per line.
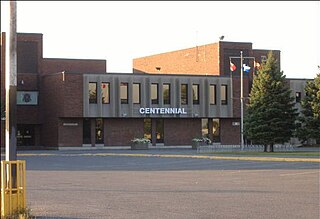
pixel 271 159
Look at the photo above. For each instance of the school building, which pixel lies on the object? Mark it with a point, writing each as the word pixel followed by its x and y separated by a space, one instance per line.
pixel 169 98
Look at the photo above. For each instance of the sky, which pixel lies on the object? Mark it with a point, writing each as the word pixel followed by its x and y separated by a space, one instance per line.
pixel 119 31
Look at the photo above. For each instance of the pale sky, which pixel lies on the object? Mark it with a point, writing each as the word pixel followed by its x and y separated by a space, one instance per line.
pixel 119 31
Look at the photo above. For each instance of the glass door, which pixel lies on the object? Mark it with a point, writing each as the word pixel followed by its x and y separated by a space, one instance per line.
pixel 99 131
pixel 159 131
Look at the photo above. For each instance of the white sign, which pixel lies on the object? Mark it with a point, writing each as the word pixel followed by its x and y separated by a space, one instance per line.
pixel 27 97
pixel 70 124
pixel 162 111
pixel 235 123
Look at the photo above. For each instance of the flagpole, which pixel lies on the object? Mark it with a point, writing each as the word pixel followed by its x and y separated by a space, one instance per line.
pixel 241 100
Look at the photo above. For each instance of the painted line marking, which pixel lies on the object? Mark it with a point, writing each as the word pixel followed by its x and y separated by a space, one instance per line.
pixel 302 173
pixel 271 159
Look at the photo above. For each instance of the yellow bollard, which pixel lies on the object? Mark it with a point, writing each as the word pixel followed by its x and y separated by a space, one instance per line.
pixel 13 186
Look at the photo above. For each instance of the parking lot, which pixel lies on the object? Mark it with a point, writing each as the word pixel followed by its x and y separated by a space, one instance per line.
pixel 79 184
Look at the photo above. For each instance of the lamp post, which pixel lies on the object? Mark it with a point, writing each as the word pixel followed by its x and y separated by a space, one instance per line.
pixel 11 85
pixel 241 94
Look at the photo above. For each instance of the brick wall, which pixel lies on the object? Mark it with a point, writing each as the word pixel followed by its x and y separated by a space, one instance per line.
pixel 72 95
pixel 70 134
pixel 121 131
pixel 73 66
pixel 181 131
pixel 51 107
pixel 229 134
pixel 200 60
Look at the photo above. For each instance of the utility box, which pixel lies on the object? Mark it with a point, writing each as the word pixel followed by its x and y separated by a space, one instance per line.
pixel 13 187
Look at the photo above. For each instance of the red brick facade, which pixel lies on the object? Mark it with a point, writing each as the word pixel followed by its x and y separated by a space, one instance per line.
pixel 58 118
pixel 60 96
pixel 210 59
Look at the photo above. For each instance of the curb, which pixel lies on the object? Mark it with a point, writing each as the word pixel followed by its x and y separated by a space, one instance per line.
pixel 271 159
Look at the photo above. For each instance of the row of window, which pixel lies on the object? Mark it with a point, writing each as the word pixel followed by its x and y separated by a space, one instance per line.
pixel 154 91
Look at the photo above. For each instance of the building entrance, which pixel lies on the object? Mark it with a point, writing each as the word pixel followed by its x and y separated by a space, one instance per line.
pixel 25 135
pixel 99 131
pixel 159 132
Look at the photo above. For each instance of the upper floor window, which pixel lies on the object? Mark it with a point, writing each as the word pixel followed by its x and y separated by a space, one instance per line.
pixel 298 97
pixel 105 92
pixel 212 94
pixel 224 94
pixel 184 94
pixel 92 92
pixel 195 93
pixel 136 93
pixel 166 93
pixel 124 92
pixel 154 94
pixel 263 59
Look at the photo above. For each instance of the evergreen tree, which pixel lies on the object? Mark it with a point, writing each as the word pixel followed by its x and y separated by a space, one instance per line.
pixel 270 117
pixel 309 120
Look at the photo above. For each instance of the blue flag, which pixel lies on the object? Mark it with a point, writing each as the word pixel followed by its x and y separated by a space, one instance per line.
pixel 246 68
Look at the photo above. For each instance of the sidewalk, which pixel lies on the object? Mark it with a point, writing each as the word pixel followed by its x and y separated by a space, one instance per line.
pixel 173 152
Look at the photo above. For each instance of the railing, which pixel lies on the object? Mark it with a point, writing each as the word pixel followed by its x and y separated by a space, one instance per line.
pixel 235 148
pixel 13 186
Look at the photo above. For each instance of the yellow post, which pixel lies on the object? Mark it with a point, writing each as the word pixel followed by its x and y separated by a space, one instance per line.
pixel 13 192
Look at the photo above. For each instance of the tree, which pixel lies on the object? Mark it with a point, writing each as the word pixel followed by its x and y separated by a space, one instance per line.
pixel 3 112
pixel 270 117
pixel 309 120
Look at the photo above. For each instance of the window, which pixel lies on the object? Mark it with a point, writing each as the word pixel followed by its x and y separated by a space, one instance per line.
pixel 298 97
pixel 195 93
pixel 105 92
pixel 212 95
pixel 184 94
pixel 154 94
pixel 124 92
pixel 263 59
pixel 92 92
pixel 147 128
pixel 136 93
pixel 166 93
pixel 223 93
pixel 215 130
pixel 86 131
pixel 99 131
pixel 205 128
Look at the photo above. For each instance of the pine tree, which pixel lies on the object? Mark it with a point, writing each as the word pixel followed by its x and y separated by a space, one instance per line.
pixel 309 120
pixel 270 117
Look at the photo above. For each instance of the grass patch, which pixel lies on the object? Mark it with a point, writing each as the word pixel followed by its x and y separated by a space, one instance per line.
pixel 24 213
pixel 288 153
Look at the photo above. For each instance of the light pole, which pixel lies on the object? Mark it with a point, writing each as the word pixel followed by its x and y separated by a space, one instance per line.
pixel 11 85
pixel 241 94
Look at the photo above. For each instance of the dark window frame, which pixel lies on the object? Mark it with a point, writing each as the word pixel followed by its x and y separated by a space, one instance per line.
pixel 126 100
pixel 139 93
pixel 166 101
pixel 184 101
pixel 215 94
pixel 224 101
pixel 197 100
pixel 93 100
pixel 108 92
pixel 155 101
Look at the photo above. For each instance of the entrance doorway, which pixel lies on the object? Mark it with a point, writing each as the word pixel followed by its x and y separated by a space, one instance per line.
pixel 159 131
pixel 25 135
pixel 99 131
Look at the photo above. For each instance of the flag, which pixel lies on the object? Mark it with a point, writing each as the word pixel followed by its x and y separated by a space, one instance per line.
pixel 256 64
pixel 232 67
pixel 246 68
